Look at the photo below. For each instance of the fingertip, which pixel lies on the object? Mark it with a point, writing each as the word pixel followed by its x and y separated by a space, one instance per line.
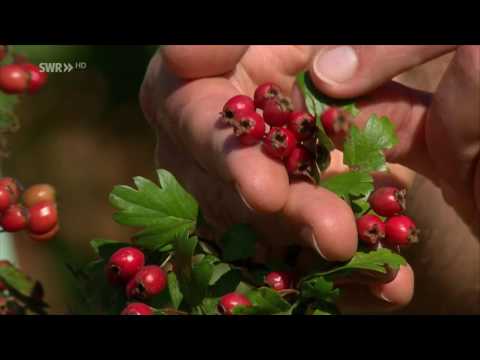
pixel 399 291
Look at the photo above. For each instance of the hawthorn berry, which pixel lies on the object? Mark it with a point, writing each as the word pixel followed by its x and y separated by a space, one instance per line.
pixel 265 92
pixel 151 280
pixel 45 236
pixel 38 193
pixel 371 229
pixel 124 264
pixel 302 124
pixel 300 161
pixel 279 142
pixel 3 51
pixel 43 217
pixel 235 106
pixel 230 301
pixel 5 199
pixel 388 201
pixel 279 280
pixel 15 218
pixel 13 79
pixel 249 127
pixel 335 121
pixel 277 111
pixel 400 230
pixel 137 309
pixel 13 185
pixel 37 77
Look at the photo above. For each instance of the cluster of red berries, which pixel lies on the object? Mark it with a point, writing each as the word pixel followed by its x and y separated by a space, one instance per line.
pixel 21 76
pixel 126 267
pixel 285 134
pixel 277 280
pixel 34 209
pixel 397 229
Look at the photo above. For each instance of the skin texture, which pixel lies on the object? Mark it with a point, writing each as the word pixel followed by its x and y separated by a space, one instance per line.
pixel 184 90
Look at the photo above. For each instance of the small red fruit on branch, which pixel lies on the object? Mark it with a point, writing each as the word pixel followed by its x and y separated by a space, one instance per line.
pixel 15 218
pixel 249 127
pixel 400 230
pixel 124 264
pixel 236 105
pixel 264 92
pixel 38 193
pixel 137 309
pixel 13 186
pixel 388 201
pixel 279 280
pixel 13 79
pixel 371 229
pixel 302 124
pixel 230 301
pixel 300 161
pixel 37 80
pixel 277 111
pixel 279 142
pixel 43 217
pixel 148 282
pixel 6 199
pixel 335 122
pixel 45 236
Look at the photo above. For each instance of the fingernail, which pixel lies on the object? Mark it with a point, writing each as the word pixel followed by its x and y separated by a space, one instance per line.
pixel 243 198
pixel 308 235
pixel 336 65
pixel 377 290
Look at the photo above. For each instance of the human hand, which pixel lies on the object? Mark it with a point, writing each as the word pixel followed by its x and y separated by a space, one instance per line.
pixel 237 184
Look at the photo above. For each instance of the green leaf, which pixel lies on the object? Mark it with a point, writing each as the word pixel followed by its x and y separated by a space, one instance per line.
pixel 176 295
pixel 218 271
pixel 228 282
pixel 363 149
pixel 185 248
pixel 105 248
pixel 201 274
pixel 239 242
pixel 375 261
pixel 320 289
pixel 265 301
pixel 360 206
pixel 350 184
pixel 209 306
pixel 165 212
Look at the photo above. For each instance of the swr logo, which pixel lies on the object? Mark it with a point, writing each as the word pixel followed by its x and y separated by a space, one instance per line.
pixel 56 67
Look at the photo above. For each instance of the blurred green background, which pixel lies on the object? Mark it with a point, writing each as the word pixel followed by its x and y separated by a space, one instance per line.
pixel 84 133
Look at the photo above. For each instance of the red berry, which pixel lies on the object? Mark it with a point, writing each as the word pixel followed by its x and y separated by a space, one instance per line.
pixel 230 301
pixel 279 142
pixel 2 286
pixel 265 92
pixel 38 193
pixel 151 280
pixel 279 280
pixel 45 236
pixel 235 106
pixel 371 229
pixel 400 230
pixel 302 124
pixel 15 218
pixel 388 201
pixel 249 127
pixel 6 199
pixel 13 79
pixel 13 185
pixel 335 121
pixel 277 111
pixel 43 217
pixel 38 78
pixel 124 264
pixel 137 309
pixel 300 161
pixel 3 51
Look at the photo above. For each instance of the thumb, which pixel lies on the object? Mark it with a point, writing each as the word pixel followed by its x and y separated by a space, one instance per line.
pixel 350 71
